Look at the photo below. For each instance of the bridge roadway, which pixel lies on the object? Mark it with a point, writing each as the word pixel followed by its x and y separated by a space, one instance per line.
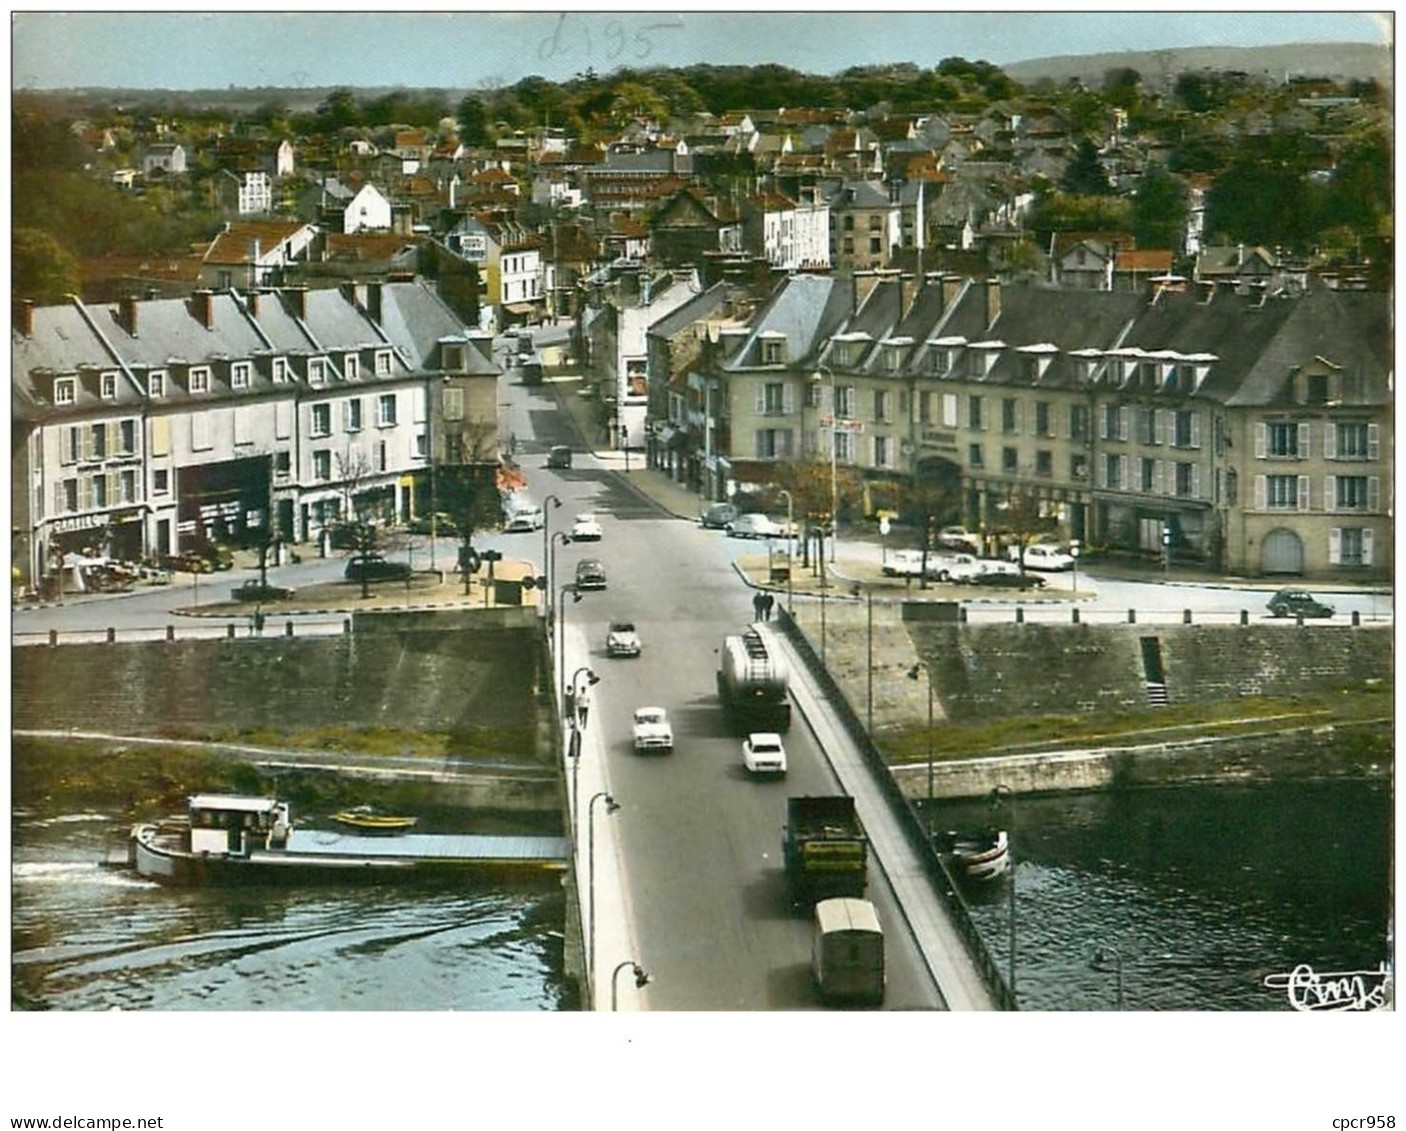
pixel 922 927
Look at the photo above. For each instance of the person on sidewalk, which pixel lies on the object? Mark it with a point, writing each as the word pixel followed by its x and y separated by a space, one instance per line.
pixel 767 602
pixel 758 605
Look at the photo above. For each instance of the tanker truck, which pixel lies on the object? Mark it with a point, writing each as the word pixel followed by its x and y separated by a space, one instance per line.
pixel 753 683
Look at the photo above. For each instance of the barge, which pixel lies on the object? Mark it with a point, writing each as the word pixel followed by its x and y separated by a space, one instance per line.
pixel 230 839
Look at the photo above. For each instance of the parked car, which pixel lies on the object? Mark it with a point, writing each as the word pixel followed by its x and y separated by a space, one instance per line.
pixel 1009 579
pixel 961 568
pixel 251 590
pixel 1045 556
pixel 763 753
pixel 621 639
pixel 590 574
pixel 1298 603
pixel 201 559
pixel 755 526
pixel 959 538
pixel 559 456
pixel 586 529
pixel 439 523
pixel 903 563
pixel 716 516
pixel 373 567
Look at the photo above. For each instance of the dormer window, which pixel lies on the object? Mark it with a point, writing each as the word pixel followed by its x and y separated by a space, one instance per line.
pixel 317 371
pixel 239 375
pixel 893 358
pixel 1316 389
pixel 773 350
pixel 383 363
pixel 107 384
pixel 280 370
pixel 65 391
pixel 156 383
pixel 200 379
pixel 351 367
pixel 453 358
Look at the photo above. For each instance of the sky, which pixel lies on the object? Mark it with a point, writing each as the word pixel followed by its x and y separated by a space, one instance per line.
pixel 454 50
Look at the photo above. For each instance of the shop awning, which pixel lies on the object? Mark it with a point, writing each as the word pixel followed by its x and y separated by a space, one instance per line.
pixel 522 308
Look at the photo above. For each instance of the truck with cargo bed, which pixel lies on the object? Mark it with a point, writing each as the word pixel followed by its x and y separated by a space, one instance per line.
pixel 847 952
pixel 825 848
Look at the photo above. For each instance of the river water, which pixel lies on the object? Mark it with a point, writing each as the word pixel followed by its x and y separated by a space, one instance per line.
pixel 90 938
pixel 1200 892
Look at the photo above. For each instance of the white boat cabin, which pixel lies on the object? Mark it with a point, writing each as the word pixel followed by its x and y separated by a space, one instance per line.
pixel 229 825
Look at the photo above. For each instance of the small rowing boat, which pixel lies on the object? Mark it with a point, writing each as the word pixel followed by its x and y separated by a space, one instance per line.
pixel 369 819
pixel 979 857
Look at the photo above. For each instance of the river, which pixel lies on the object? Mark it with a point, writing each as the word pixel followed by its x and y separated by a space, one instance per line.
pixel 88 938
pixel 1199 892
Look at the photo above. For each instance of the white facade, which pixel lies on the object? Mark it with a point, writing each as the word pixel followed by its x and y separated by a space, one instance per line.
pixel 632 360
pixel 520 275
pixel 369 210
pixel 255 194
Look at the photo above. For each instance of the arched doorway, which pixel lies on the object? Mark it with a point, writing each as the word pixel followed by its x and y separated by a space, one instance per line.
pixel 1282 552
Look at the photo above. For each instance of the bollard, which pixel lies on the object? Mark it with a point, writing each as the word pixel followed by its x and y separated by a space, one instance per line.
pixel 1244 616
pixel 1356 617
pixel 1132 616
pixel 288 627
pixel 961 612
pixel 170 632
pixel 1186 616
pixel 1020 614
pixel 229 634
pixel 111 635
pixel 53 637
pixel 1074 616
pixel 346 627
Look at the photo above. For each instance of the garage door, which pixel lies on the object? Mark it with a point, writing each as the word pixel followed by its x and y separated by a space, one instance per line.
pixel 1283 552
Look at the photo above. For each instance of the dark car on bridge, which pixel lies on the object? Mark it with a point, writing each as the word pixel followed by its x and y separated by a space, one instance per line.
pixel 590 574
pixel 1298 603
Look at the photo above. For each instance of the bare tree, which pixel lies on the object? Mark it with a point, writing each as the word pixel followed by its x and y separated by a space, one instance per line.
pixel 930 502
pixel 814 493
pixel 1024 516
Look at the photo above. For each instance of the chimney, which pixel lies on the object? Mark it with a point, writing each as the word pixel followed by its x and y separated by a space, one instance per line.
pixel 251 301
pixel 203 306
pixel 951 288
pixel 993 302
pixel 864 284
pixel 127 313
pixel 373 301
pixel 298 297
pixel 24 317
pixel 348 290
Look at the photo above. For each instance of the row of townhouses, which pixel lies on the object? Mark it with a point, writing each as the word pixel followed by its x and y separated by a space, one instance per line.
pixel 146 427
pixel 1252 426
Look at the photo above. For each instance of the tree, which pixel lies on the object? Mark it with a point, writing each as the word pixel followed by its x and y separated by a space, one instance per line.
pixel 1158 210
pixel 40 267
pixel 1024 515
pixel 931 502
pixel 1122 87
pixel 1085 176
pixel 472 117
pixel 814 493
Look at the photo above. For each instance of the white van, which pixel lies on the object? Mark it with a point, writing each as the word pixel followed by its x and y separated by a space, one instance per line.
pixel 847 952
pixel 521 515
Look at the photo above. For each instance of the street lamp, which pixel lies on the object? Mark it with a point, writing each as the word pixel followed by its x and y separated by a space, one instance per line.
pixel 834 459
pixel 576 727
pixel 546 539
pixel 1101 956
pixel 790 550
pixel 641 980
pixel 565 539
pixel 922 667
pixel 625 444
pixel 1000 791
pixel 1074 569
pixel 569 587
pixel 610 807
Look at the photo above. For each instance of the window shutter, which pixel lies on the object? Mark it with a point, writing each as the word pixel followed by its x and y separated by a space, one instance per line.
pixel 1123 472
pixel 1195 480
pixel 1159 426
pixel 760 452
pixel 1261 493
pixel 1103 473
pixel 1157 481
pixel 1374 441
pixel 1195 429
pixel 1305 440
pixel 1335 546
pixel 761 399
pixel 160 436
pixel 1367 545
pixel 111 487
pixel 1330 492
pixel 58 498
pixel 1330 440
pixel 88 446
pixel 85 492
pixel 1374 493
pixel 1305 501
pixel 788 398
pixel 1261 440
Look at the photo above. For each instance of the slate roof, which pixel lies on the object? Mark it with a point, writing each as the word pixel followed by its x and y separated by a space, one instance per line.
pixel 805 310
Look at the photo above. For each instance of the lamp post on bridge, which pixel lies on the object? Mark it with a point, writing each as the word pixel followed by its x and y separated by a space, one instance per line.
pixel 569 587
pixel 562 537
pixel 921 666
pixel 547 544
pixel 790 550
pixel 829 374
pixel 999 792
pixel 610 807
pixel 641 980
pixel 577 724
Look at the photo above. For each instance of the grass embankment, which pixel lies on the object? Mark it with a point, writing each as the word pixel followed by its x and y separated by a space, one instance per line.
pixel 1178 723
